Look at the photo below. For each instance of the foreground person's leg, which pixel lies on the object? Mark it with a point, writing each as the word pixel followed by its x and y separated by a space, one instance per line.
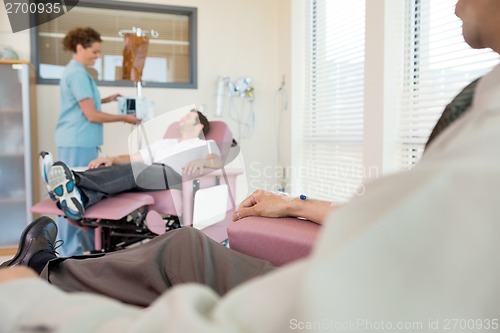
pixel 139 275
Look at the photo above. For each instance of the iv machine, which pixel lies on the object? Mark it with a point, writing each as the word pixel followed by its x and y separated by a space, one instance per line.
pixel 138 105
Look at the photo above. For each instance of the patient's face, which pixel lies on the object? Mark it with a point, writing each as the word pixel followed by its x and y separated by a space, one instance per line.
pixel 190 118
pixel 189 122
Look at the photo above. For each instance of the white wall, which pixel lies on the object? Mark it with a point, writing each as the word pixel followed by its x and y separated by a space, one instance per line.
pixel 235 38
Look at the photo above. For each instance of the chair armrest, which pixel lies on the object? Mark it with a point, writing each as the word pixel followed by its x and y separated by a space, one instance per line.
pixel 209 172
pixel 278 240
pixel 210 177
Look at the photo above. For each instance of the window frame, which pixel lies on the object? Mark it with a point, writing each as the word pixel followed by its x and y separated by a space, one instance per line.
pixel 386 28
pixel 191 12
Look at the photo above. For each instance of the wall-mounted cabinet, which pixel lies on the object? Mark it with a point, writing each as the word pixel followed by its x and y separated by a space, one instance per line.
pixel 18 150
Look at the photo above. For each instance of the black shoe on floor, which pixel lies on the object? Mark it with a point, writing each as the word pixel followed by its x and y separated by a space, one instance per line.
pixel 37 239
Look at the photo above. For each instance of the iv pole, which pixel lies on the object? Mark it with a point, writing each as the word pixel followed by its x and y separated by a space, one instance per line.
pixel 140 33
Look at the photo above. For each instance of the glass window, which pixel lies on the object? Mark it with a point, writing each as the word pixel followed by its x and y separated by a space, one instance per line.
pixel 171 57
pixel 331 145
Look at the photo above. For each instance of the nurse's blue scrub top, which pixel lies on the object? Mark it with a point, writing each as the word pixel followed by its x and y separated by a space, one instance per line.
pixel 73 129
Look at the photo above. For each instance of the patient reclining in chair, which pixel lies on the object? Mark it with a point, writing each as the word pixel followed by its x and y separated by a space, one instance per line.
pixel 157 167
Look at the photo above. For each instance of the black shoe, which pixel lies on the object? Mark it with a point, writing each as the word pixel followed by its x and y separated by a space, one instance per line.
pixel 39 236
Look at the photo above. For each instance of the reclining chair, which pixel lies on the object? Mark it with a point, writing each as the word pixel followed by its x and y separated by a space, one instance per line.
pixel 277 240
pixel 127 218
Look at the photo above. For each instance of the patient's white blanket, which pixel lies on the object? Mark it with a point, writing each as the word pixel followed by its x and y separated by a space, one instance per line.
pixel 418 252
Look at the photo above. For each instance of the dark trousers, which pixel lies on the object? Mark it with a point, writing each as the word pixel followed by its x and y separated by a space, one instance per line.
pixel 140 274
pixel 97 184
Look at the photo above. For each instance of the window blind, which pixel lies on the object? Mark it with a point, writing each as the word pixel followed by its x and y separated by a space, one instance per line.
pixel 438 65
pixel 330 155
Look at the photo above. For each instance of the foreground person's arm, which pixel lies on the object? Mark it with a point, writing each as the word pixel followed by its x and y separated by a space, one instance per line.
pixel 268 204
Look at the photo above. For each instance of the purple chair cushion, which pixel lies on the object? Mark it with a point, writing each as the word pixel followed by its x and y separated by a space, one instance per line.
pixel 278 240
pixel 113 208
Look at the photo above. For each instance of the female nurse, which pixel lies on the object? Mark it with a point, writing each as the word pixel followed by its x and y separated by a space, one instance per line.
pixel 79 131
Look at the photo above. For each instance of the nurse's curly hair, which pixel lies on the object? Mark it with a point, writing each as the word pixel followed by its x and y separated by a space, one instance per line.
pixel 83 36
